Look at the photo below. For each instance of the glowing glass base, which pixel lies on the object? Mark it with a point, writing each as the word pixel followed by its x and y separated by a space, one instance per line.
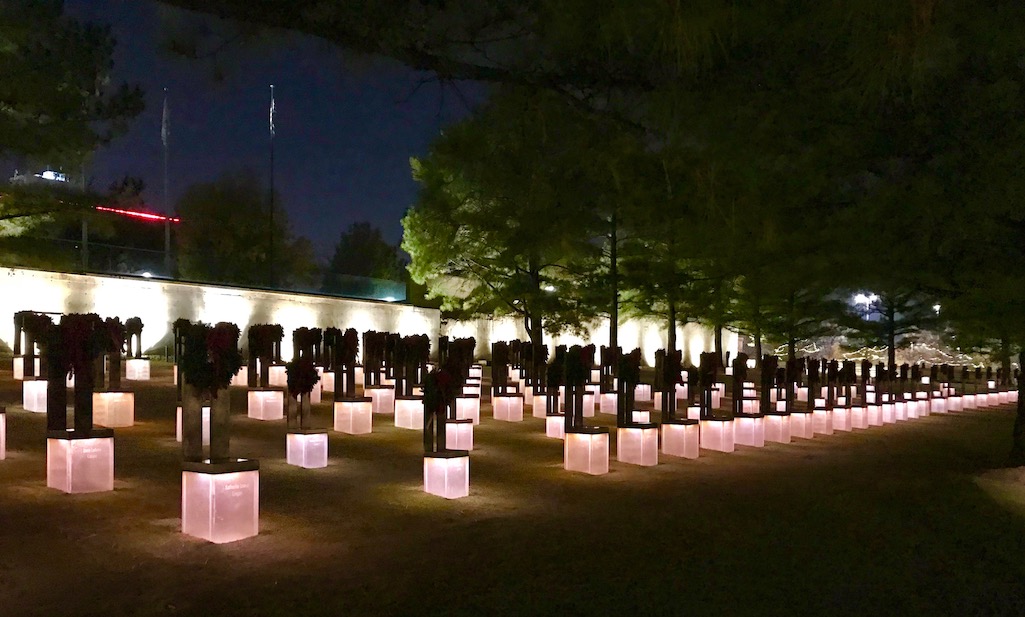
pixel 447 474
pixel 642 392
pixel 33 395
pixel 801 425
pixel 588 404
pixel 889 413
pixel 277 376
pixel 19 367
pixel 383 398
pixel 221 507
pixel 266 405
pixel 354 417
pixel 859 418
pixel 955 403
pixel 777 428
pixel 137 369
pixel 114 409
pixel 822 421
pixel 587 452
pixel 468 407
pixel 681 439
pixel 508 407
pixel 874 415
pixel 842 420
pixel 409 413
pixel 637 446
pixel 608 402
pixel 749 431
pixel 80 465
pixel 555 426
pixel 459 434
pixel 306 449
pixel 717 435
pixel 3 435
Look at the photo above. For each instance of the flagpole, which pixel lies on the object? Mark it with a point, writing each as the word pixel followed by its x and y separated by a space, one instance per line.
pixel 270 250
pixel 165 130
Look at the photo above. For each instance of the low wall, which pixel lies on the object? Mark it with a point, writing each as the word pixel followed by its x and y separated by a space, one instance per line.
pixel 160 302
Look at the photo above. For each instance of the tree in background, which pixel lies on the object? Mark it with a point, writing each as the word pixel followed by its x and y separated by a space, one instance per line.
pixel 362 252
pixel 224 235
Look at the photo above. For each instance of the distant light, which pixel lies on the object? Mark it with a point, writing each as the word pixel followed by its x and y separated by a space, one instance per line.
pixel 389 298
pixel 549 287
pixel 146 275
pixel 861 298
pixel 139 214
pixel 55 176
pixel 936 307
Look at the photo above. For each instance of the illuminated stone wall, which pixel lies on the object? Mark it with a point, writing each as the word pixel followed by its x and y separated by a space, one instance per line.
pixel 159 303
pixel 646 335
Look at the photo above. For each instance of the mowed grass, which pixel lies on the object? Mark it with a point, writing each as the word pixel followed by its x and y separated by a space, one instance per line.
pixel 900 519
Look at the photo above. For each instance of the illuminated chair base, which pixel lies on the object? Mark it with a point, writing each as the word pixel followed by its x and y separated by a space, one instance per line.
pixel 266 404
pixel 822 421
pixel 900 411
pixel 915 409
pixel 682 391
pixel 555 426
pixel 317 394
pixel 802 394
pixel 447 474
pixel 717 435
pixel 889 413
pixel 607 402
pixel 114 409
pixel 587 450
pixel 19 367
pixel 777 427
pixel 588 402
pixel 206 425
pixel 642 392
pixel 955 403
pixel 538 407
pixel 468 407
pixel 459 434
pixel 383 398
pixel 354 416
pixel 874 415
pixel 749 430
pixel 637 445
pixel 801 424
pixel 938 405
pixel 681 438
pixel 3 434
pixel 859 418
pixel 306 448
pixel 842 420
pixel 694 413
pixel 80 463
pixel 508 407
pixel 641 417
pixel 33 395
pixel 409 413
pixel 327 381
pixel 241 378
pixel 277 376
pixel 221 501
pixel 137 369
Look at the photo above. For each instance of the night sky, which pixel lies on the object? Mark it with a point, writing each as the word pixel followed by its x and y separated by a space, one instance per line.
pixel 345 128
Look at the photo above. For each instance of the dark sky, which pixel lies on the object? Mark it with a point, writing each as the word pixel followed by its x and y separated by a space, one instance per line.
pixel 345 127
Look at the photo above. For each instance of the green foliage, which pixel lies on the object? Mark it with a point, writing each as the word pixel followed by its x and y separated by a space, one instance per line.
pixel 362 252
pixel 225 235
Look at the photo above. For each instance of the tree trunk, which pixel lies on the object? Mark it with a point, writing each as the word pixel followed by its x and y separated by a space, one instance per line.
pixel 1017 457
pixel 792 349
pixel 891 334
pixel 614 282
pixel 758 346
pixel 718 344
pixel 1005 361
pixel 671 338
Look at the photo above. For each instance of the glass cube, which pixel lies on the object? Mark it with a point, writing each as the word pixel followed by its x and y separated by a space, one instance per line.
pixel 900 411
pixel 555 426
pixel 266 404
pixel 637 446
pixel 278 376
pixel 955 402
pixel 694 412
pixel 409 413
pixel 682 391
pixel 717 435
pixel 588 402
pixel 80 465
pixel 748 431
pixel 608 402
pixel 777 428
pixel 306 449
pixel 137 369
pixel 221 507
pixel 3 435
pixel 508 407
pixel 938 405
pixel 355 416
pixel 19 367
pixel 114 409
pixel 459 434
pixel 889 413
pixel 205 410
pixel 681 439
pixel 33 395
pixel 383 398
pixel 801 425
pixel 241 378
pixel 859 417
pixel 538 409
pixel 822 421
pixel 476 371
pixel 468 407
pixel 447 474
pixel 802 394
pixel 874 415
pixel 587 451
pixel 642 392
pixel 842 419
pixel 327 381
pixel 643 417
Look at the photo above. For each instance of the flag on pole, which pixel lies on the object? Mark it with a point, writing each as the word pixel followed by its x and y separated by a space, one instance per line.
pixel 272 110
pixel 165 122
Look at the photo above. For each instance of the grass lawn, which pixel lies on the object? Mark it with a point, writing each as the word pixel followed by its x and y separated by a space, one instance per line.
pixel 900 519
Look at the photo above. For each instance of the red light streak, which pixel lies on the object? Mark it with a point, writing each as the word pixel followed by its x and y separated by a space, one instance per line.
pixel 146 216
